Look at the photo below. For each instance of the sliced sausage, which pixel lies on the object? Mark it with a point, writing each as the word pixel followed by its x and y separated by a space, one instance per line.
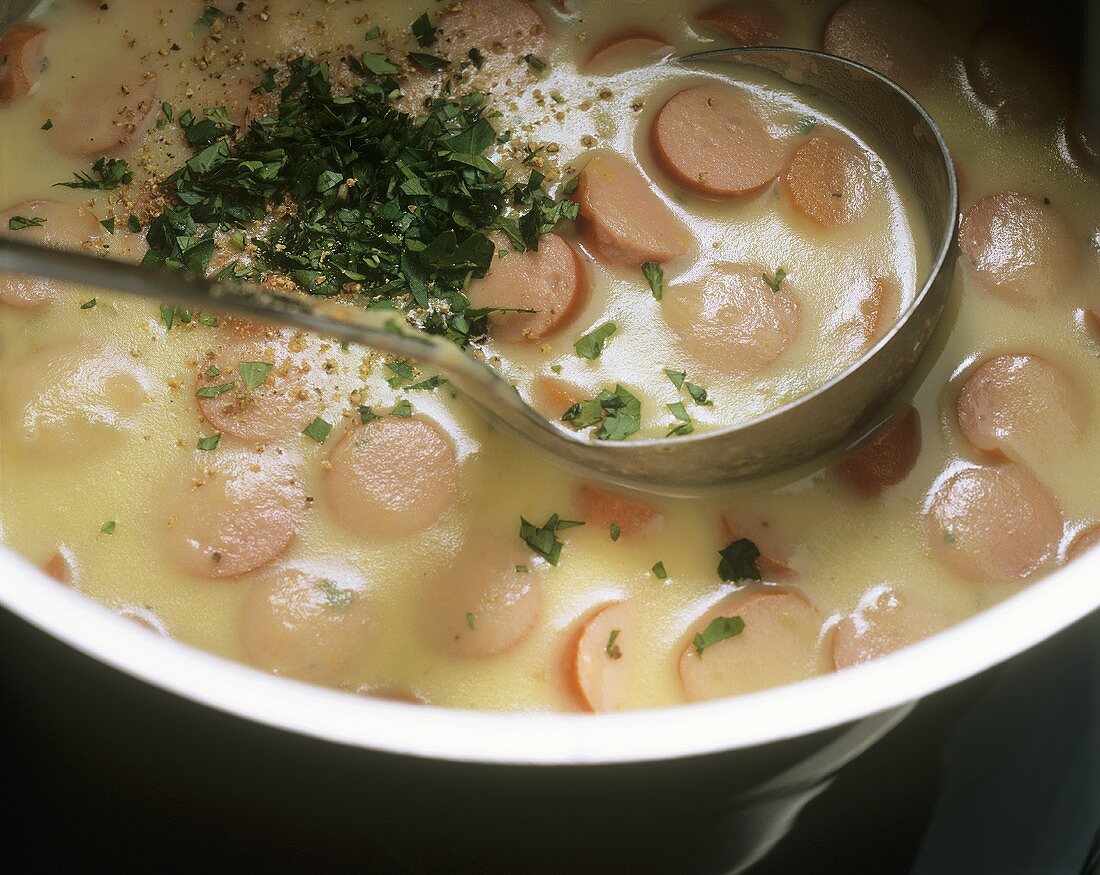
pixel 746 22
pixel 22 52
pixel 732 319
pixel 1014 72
pixel 107 113
pixel 486 600
pixel 621 217
pixel 867 312
pixel 1017 246
pixel 1084 542
pixel 828 181
pixel 994 524
pixel 509 29
pixel 288 399
pixel 551 396
pixel 66 226
pixel 61 566
pixel 710 139
pixel 626 51
pixel 883 622
pixel 1019 405
pixel 886 460
pixel 306 623
pixel 779 644
pixel 601 658
pixel 73 399
pixel 601 509
pixel 232 511
pixel 392 477
pixel 898 38
pixel 549 280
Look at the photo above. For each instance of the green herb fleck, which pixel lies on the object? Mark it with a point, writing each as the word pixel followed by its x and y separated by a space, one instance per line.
pixel 107 174
pixel 133 223
pixel 209 443
pixel 655 276
pixel 253 374
pixel 214 391
pixel 535 63
pixel 209 15
pixel 108 528
pixel 476 58
pixel 318 430
pixel 423 31
pixel 379 64
pixel 615 531
pixel 470 620
pixel 739 561
pixel 698 394
pixel 618 413
pixel 366 414
pixel 20 223
pixel 612 649
pixel 719 629
pixel 109 225
pixel 776 281
pixel 659 571
pixel 170 315
pixel 677 377
pixel 402 408
pixel 428 62
pixel 336 598
pixel 402 371
pixel 521 569
pixel 543 539
pixel 372 34
pixel 684 424
pixel 590 345
pixel 806 124
pixel 47 125
pixel 87 305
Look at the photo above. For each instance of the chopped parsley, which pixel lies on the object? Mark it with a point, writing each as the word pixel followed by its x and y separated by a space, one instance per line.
pixel 655 276
pixel 428 62
pixel 719 629
pixel 109 225
pixel 470 620
pixel 210 14
pixel 777 280
pixel 214 391
pixel 209 443
pixel 366 414
pixel 615 531
pixel 659 571
pixel 318 430
pixel 371 35
pixel 543 539
pixel 108 528
pixel 87 305
pixel 336 598
pixel 683 424
pixel 107 174
pixel 423 30
pixel 739 561
pixel 680 381
pixel 253 374
pixel 133 223
pixel 402 371
pixel 535 63
pixel 47 125
pixel 590 345
pixel 618 414
pixel 806 124
pixel 612 649
pixel 388 207
pixel 521 569
pixel 476 58
pixel 20 223
pixel 402 408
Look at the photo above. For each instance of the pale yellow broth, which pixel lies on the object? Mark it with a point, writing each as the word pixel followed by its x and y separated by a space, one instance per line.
pixel 841 545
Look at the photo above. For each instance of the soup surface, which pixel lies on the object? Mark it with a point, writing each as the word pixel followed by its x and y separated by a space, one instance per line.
pixel 710 243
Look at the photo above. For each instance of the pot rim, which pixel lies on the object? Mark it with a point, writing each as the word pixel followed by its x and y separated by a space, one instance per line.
pixel 542 738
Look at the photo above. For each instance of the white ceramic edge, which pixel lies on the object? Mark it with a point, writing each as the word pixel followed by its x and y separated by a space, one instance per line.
pixel 984 640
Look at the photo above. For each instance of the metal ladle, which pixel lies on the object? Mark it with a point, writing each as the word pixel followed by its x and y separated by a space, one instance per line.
pixel 833 413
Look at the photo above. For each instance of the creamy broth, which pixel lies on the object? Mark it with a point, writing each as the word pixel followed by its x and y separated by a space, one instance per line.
pixel 99 419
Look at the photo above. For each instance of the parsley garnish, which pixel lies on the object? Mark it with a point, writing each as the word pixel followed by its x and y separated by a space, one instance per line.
pixel 683 425
pixel 253 374
pixel 543 539
pixel 476 58
pixel 470 620
pixel 209 443
pixel 680 381
pixel 590 345
pixel 108 528
pixel 659 571
pixel 739 561
pixel 372 34
pixel 612 649
pixel 655 276
pixel 87 305
pixel 719 629
pixel 109 225
pixel 535 63
pixel 107 174
pixel 19 223
pixel 776 281
pixel 214 391
pixel 806 124
pixel 395 208
pixel 366 414
pixel 423 31
pixel 133 223
pixel 615 531
pixel 402 408
pixel 428 62
pixel 171 315
pixel 318 430
pixel 209 15
pixel 618 413
pixel 47 125
pixel 336 599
